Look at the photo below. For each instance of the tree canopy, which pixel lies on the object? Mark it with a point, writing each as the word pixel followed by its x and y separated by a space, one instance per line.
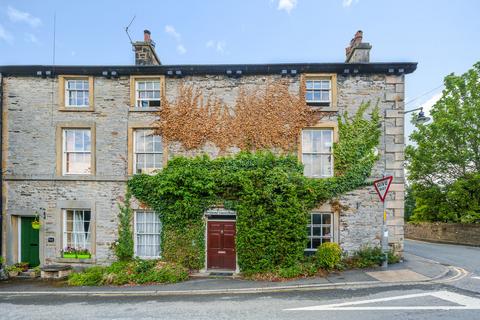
pixel 447 152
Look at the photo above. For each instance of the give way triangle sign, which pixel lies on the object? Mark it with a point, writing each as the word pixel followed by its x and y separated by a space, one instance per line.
pixel 382 186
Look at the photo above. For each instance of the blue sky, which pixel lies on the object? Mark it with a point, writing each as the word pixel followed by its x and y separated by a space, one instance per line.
pixel 442 36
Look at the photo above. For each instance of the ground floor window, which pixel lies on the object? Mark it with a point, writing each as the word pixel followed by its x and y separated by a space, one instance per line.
pixel 319 229
pixel 147 234
pixel 76 229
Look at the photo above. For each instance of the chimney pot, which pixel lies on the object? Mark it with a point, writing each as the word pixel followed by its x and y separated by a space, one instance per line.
pixel 358 51
pixel 146 36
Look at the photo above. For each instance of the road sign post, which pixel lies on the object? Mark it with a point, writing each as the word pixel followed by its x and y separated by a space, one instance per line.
pixel 381 187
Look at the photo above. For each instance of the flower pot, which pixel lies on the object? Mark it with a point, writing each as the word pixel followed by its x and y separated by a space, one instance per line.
pixel 69 255
pixel 35 225
pixel 83 256
pixel 12 274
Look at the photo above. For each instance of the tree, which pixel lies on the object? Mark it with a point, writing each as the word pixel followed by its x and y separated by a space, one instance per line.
pixel 449 147
pixel 447 150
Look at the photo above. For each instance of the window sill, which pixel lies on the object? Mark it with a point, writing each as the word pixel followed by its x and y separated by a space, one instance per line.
pixel 71 109
pixel 74 260
pixel 148 109
pixel 323 108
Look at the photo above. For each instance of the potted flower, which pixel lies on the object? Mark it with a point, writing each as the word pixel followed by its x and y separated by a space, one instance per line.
pixel 23 266
pixel 83 254
pixel 69 252
pixel 36 223
pixel 13 270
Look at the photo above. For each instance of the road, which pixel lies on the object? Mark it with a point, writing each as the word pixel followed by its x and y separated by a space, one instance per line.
pixel 454 255
pixel 459 300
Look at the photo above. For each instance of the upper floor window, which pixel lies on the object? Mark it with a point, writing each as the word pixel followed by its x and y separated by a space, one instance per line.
pixel 77 93
pixel 317 152
pixel 321 90
pixel 318 91
pixel 319 230
pixel 148 151
pixel 147 93
pixel 77 154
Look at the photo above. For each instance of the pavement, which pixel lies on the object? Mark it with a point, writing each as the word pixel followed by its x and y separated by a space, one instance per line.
pixel 413 269
pixel 423 287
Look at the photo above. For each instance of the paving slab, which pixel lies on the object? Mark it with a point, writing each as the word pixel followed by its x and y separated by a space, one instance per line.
pixel 402 275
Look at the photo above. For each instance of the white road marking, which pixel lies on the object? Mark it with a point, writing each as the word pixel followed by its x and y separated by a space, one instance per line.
pixel 476 278
pixel 464 303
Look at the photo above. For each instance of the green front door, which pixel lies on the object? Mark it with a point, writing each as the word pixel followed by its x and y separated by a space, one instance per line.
pixel 29 242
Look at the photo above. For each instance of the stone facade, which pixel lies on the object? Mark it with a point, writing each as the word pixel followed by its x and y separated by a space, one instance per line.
pixel 31 182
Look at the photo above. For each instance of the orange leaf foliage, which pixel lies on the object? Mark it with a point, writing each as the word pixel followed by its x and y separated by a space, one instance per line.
pixel 271 117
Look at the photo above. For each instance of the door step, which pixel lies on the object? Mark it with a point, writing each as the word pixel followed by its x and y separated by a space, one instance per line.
pixel 220 274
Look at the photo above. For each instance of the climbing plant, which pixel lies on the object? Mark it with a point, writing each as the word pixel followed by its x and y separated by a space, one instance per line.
pixel 123 247
pixel 269 192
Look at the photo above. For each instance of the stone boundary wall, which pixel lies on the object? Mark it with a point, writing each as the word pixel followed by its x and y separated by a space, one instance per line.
pixel 455 233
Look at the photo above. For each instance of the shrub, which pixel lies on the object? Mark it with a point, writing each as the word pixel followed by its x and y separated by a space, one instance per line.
pixel 132 272
pixel 92 276
pixel 123 247
pixel 328 255
pixel 367 257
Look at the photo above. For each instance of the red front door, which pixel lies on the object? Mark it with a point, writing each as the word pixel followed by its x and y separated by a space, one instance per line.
pixel 221 245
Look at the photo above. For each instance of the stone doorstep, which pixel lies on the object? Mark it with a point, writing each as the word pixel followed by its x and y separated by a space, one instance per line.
pixel 28 274
pixel 55 271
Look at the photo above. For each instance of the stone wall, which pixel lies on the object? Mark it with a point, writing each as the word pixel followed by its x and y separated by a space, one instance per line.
pixel 456 233
pixel 31 115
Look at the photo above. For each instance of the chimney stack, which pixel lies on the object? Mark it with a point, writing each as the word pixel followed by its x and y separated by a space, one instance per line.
pixel 145 54
pixel 358 51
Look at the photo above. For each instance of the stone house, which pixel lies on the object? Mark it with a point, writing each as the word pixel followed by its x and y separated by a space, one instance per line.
pixel 73 135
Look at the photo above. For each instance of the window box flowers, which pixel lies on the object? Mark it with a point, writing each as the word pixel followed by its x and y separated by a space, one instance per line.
pixel 74 253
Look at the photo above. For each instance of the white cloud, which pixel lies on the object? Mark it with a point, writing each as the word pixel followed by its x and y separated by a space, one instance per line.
pixel 181 49
pixel 29 37
pixel 5 35
pixel 219 46
pixel 287 5
pixel 348 3
pixel 20 16
pixel 171 31
pixel 427 105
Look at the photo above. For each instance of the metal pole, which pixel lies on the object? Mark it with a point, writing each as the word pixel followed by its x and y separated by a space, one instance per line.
pixel 384 218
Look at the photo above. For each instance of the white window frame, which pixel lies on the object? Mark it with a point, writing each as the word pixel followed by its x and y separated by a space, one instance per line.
pixel 137 93
pixel 320 90
pixel 311 225
pixel 319 153
pixel 135 235
pixel 65 152
pixel 65 232
pixel 67 95
pixel 155 153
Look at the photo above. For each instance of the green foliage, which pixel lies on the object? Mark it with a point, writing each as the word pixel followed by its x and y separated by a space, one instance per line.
pixel 369 257
pixel 328 255
pixel 132 272
pixel 92 276
pixel 123 247
pixel 184 245
pixel 457 202
pixel 269 192
pixel 446 154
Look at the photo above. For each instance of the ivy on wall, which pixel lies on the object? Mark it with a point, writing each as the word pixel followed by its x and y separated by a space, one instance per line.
pixel 266 118
pixel 269 192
